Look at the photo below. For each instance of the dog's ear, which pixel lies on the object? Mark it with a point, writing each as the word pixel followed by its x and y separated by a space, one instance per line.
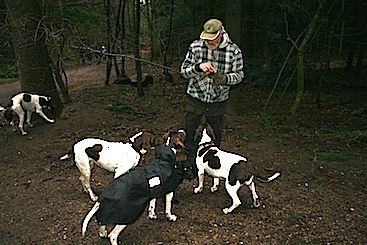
pixel 165 135
pixel 149 139
pixel 198 133
pixel 181 134
pixel 177 140
pixel 210 131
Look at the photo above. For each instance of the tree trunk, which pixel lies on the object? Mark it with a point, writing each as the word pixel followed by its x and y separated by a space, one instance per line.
pixel 137 49
pixel 109 38
pixel 234 27
pixel 123 32
pixel 249 28
pixel 168 44
pixel 300 62
pixel 34 62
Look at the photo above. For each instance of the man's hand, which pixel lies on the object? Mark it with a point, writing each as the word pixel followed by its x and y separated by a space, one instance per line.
pixel 207 67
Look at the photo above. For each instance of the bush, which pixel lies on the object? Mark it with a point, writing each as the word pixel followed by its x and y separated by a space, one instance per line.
pixel 9 71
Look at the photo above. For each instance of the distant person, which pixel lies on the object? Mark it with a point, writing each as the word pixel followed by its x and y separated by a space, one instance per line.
pixel 212 65
pixel 104 53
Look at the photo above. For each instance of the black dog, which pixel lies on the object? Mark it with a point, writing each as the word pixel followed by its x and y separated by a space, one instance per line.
pixel 187 169
pixel 5 113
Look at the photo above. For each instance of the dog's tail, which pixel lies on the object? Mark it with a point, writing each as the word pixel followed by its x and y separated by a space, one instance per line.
pixel 66 156
pixel 88 217
pixel 269 179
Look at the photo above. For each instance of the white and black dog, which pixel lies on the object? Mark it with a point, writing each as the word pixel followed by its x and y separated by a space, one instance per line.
pixel 117 157
pixel 28 103
pixel 234 168
pixel 126 198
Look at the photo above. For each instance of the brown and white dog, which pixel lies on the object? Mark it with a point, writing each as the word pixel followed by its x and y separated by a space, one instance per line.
pixel 125 199
pixel 23 103
pixel 234 168
pixel 114 156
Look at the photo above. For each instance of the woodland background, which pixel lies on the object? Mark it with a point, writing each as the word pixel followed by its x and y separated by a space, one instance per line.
pixel 301 111
pixel 288 45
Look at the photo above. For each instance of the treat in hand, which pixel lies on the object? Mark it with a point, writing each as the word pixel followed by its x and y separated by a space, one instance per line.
pixel 218 78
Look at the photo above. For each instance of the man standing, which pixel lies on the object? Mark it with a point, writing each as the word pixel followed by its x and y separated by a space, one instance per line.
pixel 212 65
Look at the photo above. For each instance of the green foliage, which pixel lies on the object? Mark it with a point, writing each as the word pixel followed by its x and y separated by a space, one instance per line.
pixel 87 13
pixel 121 107
pixel 48 167
pixel 332 155
pixel 70 166
pixel 297 217
pixel 124 131
pixel 353 134
pixel 9 71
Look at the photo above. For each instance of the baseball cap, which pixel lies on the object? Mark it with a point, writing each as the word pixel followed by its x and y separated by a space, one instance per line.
pixel 212 29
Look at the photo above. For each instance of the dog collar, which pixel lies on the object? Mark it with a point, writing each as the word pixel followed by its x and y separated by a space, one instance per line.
pixel 206 144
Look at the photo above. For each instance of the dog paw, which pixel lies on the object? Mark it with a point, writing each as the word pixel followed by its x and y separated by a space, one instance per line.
pixel 213 188
pixel 152 216
pixel 94 198
pixel 198 189
pixel 171 217
pixel 226 210
pixel 256 204
pixel 51 121
pixel 24 133
pixel 103 234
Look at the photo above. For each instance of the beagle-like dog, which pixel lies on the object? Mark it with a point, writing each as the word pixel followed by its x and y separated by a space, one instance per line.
pixel 114 156
pixel 233 168
pixel 23 103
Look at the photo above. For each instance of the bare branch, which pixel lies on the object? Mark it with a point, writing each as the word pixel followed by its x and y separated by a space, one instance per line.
pixel 131 57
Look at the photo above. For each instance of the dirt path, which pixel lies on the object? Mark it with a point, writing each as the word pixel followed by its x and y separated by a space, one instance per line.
pixel 78 77
pixel 317 200
pixel 7 91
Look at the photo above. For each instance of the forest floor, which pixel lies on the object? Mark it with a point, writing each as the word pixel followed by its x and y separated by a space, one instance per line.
pixel 320 197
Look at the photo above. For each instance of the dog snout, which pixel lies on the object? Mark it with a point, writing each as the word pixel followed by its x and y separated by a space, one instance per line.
pixel 189 170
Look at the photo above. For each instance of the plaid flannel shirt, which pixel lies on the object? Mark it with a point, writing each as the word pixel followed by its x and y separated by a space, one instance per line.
pixel 227 59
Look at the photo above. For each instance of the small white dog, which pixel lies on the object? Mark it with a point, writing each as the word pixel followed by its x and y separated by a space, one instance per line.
pixel 234 168
pixel 117 157
pixel 26 102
